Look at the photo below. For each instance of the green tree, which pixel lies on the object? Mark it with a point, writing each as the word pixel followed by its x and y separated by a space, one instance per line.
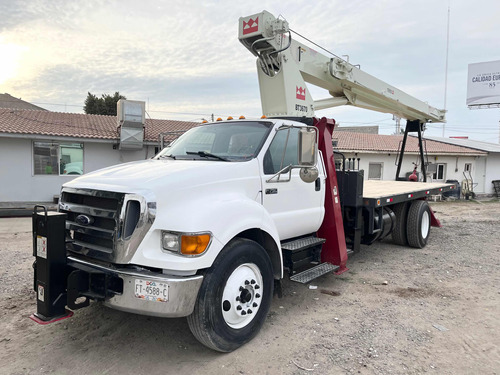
pixel 105 105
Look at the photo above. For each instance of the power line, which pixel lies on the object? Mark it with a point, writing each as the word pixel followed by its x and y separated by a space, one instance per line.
pixel 81 106
pixel 66 105
pixel 182 113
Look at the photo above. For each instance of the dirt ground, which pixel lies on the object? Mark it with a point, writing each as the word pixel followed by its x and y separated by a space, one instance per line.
pixel 397 311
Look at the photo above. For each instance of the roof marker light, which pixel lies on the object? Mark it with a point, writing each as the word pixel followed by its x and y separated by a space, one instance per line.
pixel 219 119
pixel 263 116
pixel 230 118
pixel 204 121
pixel 242 117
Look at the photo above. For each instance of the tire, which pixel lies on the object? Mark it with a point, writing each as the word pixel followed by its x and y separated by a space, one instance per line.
pixel 234 298
pixel 419 224
pixel 399 232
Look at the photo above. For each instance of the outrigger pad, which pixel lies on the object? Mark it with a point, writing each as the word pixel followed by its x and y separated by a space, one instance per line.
pixel 40 319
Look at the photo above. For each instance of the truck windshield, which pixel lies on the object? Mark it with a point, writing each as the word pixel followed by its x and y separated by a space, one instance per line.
pixel 227 141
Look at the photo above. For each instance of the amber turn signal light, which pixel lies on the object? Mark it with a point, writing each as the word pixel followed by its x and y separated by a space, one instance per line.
pixel 194 244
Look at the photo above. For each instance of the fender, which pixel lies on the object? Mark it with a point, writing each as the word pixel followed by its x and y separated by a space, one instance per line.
pixel 224 215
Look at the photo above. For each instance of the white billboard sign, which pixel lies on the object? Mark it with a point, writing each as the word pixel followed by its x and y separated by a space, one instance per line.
pixel 483 84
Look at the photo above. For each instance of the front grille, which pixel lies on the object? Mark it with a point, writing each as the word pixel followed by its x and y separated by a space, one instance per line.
pixel 93 221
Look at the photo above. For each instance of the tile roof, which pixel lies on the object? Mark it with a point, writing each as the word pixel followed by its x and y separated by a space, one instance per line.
pixel 77 125
pixel 359 142
pixel 8 101
pixel 471 143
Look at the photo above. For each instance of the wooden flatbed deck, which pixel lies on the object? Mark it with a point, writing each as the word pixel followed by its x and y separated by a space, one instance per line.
pixel 381 193
pixel 381 189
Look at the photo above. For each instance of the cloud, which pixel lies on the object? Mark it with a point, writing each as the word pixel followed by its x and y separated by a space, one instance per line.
pixel 184 55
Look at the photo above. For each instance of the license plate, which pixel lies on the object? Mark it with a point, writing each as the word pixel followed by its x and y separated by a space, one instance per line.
pixel 151 290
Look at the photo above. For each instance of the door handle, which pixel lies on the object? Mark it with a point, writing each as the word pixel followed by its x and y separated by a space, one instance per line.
pixel 317 184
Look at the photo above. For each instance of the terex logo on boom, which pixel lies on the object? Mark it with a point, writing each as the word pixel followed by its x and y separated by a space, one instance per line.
pixel 251 26
pixel 300 93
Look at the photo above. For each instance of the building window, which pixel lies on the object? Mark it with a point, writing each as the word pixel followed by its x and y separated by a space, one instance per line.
pixel 375 171
pixel 57 158
pixel 468 167
pixel 440 173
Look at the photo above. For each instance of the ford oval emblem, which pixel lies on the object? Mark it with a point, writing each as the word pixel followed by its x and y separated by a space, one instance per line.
pixel 84 220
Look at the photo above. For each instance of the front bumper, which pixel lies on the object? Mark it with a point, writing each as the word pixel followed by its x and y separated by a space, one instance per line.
pixel 182 291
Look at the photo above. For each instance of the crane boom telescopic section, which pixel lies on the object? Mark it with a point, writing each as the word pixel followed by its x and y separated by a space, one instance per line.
pixel 284 65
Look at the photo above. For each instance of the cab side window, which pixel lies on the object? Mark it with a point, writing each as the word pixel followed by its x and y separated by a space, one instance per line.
pixel 277 157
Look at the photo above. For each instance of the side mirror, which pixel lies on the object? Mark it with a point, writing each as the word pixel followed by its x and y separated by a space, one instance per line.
pixel 307 147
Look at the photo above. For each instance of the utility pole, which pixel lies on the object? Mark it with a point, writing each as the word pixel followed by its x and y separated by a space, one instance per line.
pixel 398 124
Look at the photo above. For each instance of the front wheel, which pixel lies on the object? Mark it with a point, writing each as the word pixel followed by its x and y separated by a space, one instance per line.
pixel 234 298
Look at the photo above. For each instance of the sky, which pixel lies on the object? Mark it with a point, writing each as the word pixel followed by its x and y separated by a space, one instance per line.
pixel 183 58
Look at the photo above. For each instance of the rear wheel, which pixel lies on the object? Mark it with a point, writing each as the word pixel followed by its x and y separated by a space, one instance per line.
pixel 234 298
pixel 399 235
pixel 419 224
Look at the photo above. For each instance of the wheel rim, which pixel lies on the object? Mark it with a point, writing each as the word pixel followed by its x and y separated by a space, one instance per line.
pixel 241 298
pixel 425 225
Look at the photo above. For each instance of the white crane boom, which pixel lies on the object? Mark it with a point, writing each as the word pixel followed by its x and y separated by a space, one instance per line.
pixel 284 65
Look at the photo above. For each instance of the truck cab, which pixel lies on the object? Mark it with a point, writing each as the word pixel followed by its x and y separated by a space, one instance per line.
pixel 155 229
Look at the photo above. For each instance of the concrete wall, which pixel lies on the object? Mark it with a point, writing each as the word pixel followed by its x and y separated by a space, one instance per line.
pixel 19 184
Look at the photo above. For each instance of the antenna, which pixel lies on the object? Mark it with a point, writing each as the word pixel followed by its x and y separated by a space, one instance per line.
pixel 446 65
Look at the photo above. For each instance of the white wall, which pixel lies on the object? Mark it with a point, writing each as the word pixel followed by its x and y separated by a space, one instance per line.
pixel 492 171
pixel 453 171
pixel 18 184
pixel 100 155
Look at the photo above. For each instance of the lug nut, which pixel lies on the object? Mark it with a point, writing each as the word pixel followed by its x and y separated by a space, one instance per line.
pixel 257 295
pixel 241 289
pixel 249 311
pixel 255 304
pixel 237 298
pixel 257 287
pixel 243 312
pixel 247 282
pixel 238 307
pixel 252 282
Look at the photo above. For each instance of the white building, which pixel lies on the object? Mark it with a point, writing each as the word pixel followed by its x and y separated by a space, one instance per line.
pixel 487 168
pixel 377 156
pixel 41 150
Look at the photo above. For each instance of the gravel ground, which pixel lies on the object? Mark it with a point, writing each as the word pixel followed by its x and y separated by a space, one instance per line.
pixel 397 311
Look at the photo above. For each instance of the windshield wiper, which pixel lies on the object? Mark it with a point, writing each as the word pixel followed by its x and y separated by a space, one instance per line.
pixel 167 156
pixel 207 155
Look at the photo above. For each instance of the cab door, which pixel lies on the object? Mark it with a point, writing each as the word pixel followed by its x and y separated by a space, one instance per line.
pixel 297 207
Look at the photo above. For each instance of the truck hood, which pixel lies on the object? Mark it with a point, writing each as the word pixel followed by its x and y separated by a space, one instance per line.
pixel 163 174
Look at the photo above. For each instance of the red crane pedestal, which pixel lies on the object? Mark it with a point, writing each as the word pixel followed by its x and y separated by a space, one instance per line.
pixel 334 250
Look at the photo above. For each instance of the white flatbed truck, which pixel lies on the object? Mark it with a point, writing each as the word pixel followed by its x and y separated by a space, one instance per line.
pixel 208 228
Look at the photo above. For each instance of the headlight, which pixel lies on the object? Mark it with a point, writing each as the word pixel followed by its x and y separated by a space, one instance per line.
pixel 170 241
pixel 186 243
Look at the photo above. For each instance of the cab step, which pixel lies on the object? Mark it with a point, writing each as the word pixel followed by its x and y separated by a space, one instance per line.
pixel 302 243
pixel 314 272
pixel 301 252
